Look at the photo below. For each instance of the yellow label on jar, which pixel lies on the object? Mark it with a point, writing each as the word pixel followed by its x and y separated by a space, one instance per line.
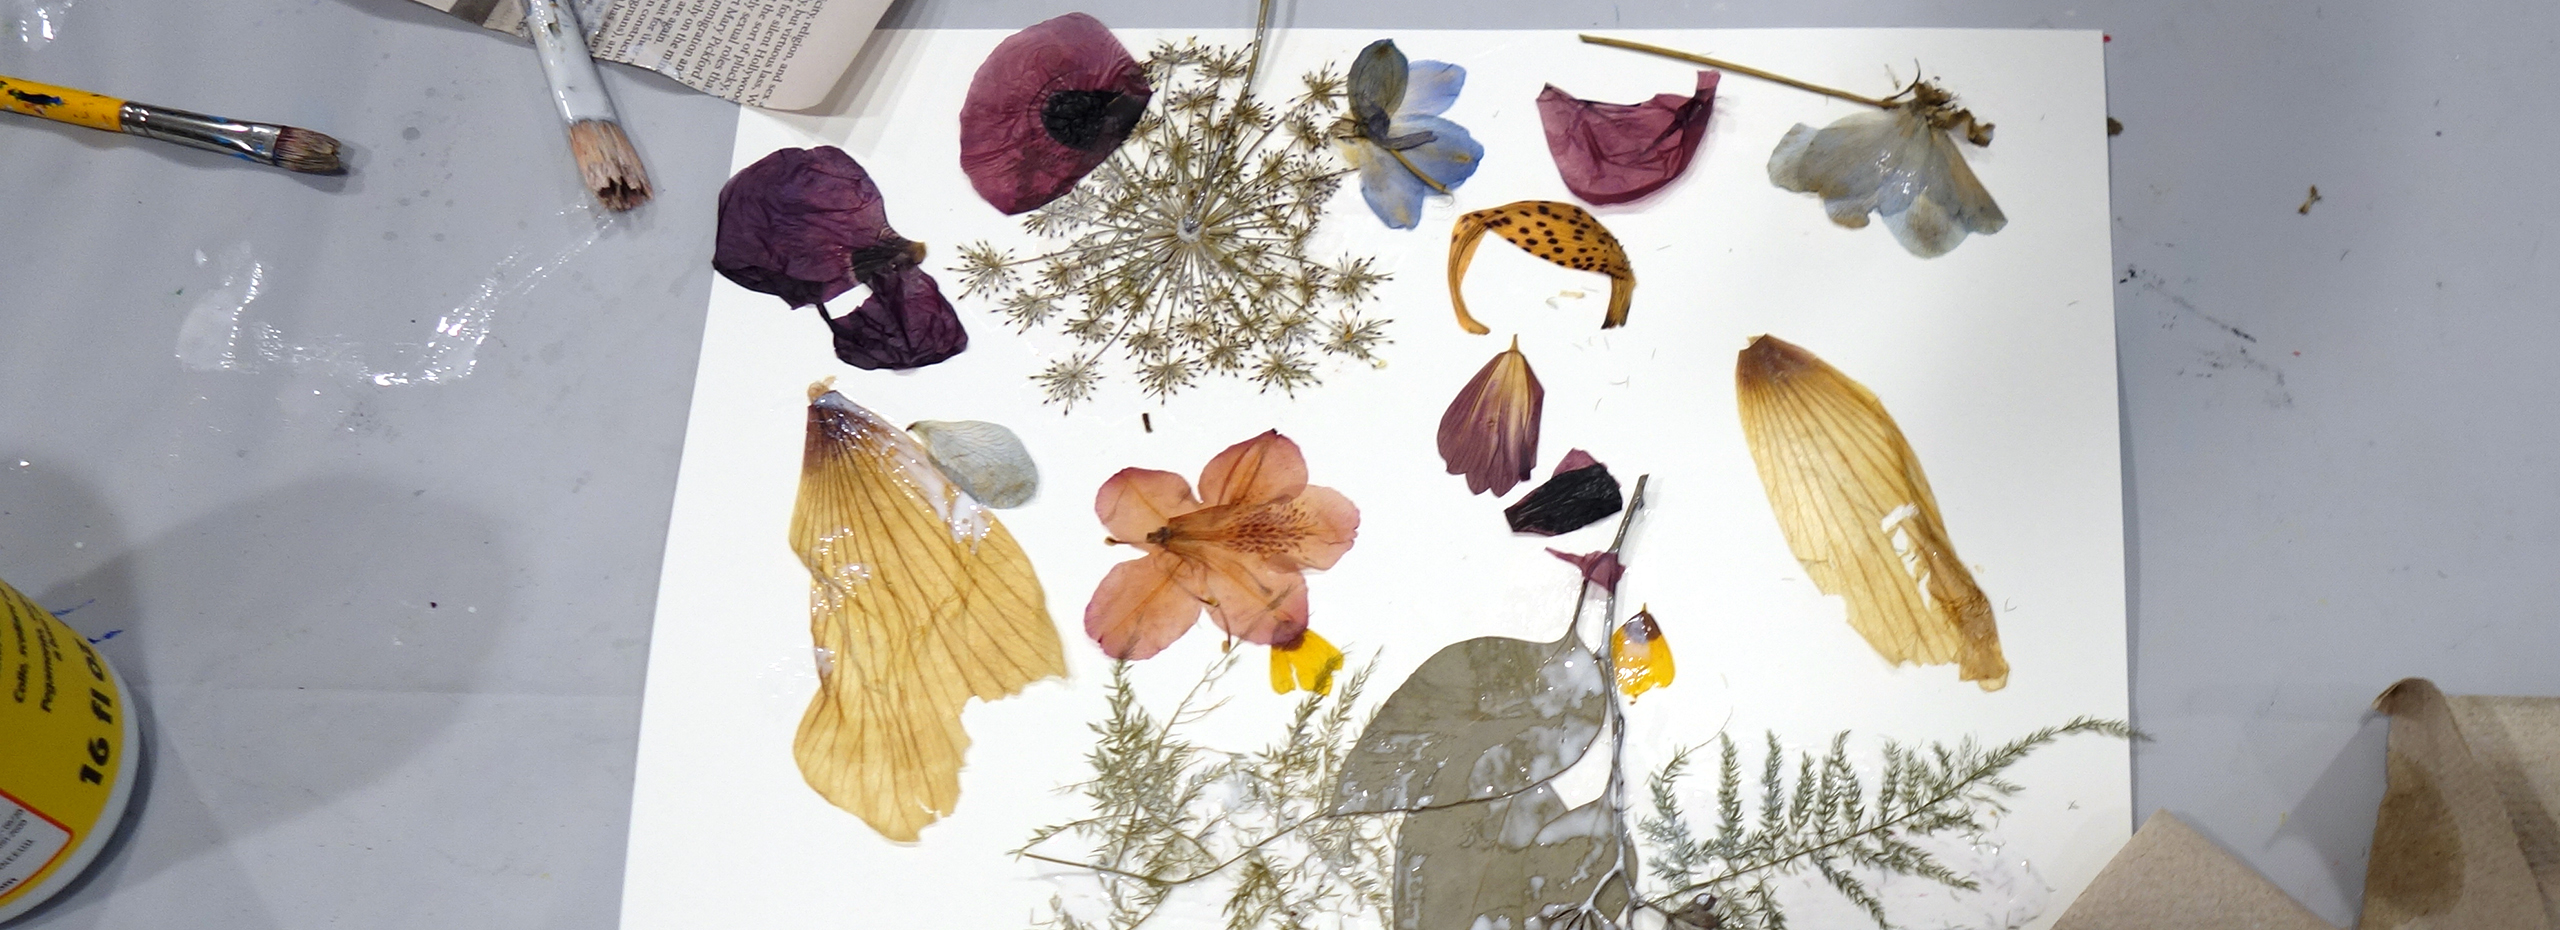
pixel 63 737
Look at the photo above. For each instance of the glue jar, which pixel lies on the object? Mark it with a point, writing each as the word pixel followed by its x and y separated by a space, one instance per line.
pixel 67 743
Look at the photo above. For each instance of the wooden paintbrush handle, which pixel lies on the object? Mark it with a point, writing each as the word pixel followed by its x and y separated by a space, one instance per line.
pixel 77 107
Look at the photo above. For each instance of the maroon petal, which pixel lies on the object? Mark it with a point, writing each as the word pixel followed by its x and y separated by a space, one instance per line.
pixel 1617 152
pixel 790 223
pixel 1575 460
pixel 905 324
pixel 1600 568
pixel 1048 105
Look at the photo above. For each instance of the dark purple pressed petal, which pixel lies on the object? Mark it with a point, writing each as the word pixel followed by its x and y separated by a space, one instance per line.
pixel 1575 460
pixel 1600 568
pixel 1567 502
pixel 1046 107
pixel 1617 152
pixel 905 324
pixel 790 223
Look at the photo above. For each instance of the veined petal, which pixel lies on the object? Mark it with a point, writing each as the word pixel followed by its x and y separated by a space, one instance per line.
pixel 1264 468
pixel 1250 599
pixel 906 323
pixel 1614 153
pixel 1490 432
pixel 1306 665
pixel 1392 192
pixel 1138 501
pixel 1142 606
pixel 1430 87
pixel 1332 523
pixel 1449 159
pixel 1046 107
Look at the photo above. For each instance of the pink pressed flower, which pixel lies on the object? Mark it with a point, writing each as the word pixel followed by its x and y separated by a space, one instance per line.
pixel 1237 549
pixel 1617 152
pixel 1048 106
pixel 1490 433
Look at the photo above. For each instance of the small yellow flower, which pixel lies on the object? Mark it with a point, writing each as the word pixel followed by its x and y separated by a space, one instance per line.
pixel 1307 665
pixel 1643 657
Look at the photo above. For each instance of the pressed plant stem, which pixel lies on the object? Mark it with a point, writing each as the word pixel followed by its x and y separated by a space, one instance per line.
pixel 1737 69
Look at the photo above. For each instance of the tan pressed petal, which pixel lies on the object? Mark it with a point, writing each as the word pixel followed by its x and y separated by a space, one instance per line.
pixel 1561 233
pixel 1857 511
pixel 919 600
pixel 1490 432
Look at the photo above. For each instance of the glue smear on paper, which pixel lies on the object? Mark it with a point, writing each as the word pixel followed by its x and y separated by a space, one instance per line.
pixel 35 23
pixel 223 332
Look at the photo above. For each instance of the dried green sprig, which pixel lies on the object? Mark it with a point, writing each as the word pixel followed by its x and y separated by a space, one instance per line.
pixel 1828 821
pixel 1168 812
pixel 1188 251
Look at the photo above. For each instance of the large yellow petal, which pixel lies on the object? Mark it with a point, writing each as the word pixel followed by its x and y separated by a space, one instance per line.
pixel 918 600
pixel 1857 511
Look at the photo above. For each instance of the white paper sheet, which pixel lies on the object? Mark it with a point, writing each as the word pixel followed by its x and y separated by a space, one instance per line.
pixel 1997 360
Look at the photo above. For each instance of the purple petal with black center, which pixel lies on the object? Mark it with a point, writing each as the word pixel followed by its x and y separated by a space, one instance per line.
pixel 1046 107
pixel 1617 152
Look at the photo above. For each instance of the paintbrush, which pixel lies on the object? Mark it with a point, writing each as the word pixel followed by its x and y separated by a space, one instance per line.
pixel 606 161
pixel 289 147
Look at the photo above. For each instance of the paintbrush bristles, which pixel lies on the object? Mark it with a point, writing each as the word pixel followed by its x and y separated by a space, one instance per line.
pixel 309 152
pixel 609 165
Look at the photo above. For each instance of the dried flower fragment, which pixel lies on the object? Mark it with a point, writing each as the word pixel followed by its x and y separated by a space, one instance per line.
pixel 1581 493
pixel 1395 135
pixel 1561 233
pixel 806 225
pixel 1899 164
pixel 919 600
pixel 1239 549
pixel 1617 152
pixel 1189 250
pixel 984 459
pixel 1600 568
pixel 1856 510
pixel 1306 665
pixel 1490 432
pixel 1047 106
pixel 1640 656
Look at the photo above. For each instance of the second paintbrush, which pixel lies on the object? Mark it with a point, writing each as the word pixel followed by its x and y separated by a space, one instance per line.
pixel 606 162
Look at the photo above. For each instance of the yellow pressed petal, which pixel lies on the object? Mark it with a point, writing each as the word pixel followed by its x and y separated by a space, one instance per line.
pixel 1561 233
pixel 1857 511
pixel 1641 657
pixel 1307 666
pixel 919 600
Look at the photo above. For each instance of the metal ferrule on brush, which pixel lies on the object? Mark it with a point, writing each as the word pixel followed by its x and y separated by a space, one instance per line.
pixel 253 141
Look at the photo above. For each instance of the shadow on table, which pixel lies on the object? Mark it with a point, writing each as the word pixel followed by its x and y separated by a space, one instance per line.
pixel 258 641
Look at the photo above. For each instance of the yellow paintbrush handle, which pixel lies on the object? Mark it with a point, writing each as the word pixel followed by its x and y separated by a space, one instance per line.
pixel 77 107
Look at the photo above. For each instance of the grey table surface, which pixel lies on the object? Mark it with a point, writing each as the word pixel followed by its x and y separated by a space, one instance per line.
pixel 384 579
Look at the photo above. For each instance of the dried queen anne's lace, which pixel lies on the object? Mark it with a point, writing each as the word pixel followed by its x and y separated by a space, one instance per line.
pixel 1188 250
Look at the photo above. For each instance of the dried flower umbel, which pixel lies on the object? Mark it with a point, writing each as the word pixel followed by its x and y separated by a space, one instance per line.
pixel 1188 251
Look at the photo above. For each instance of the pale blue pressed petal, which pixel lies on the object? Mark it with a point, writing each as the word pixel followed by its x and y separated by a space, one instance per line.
pixel 1393 193
pixel 1430 88
pixel 1451 155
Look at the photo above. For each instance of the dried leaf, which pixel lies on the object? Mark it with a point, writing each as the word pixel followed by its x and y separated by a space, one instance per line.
pixel 1522 861
pixel 918 601
pixel 1561 233
pixel 1490 431
pixel 1857 511
pixel 1485 718
pixel 1617 152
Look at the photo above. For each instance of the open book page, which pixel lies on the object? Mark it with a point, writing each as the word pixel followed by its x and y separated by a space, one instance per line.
pixel 782 54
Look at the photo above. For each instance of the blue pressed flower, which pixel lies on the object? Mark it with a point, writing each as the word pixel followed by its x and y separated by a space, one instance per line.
pixel 1397 138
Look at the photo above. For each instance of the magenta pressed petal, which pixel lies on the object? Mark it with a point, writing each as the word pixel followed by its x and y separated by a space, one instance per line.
pixel 1575 460
pixel 1046 107
pixel 1616 152
pixel 905 324
pixel 790 223
pixel 1600 568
